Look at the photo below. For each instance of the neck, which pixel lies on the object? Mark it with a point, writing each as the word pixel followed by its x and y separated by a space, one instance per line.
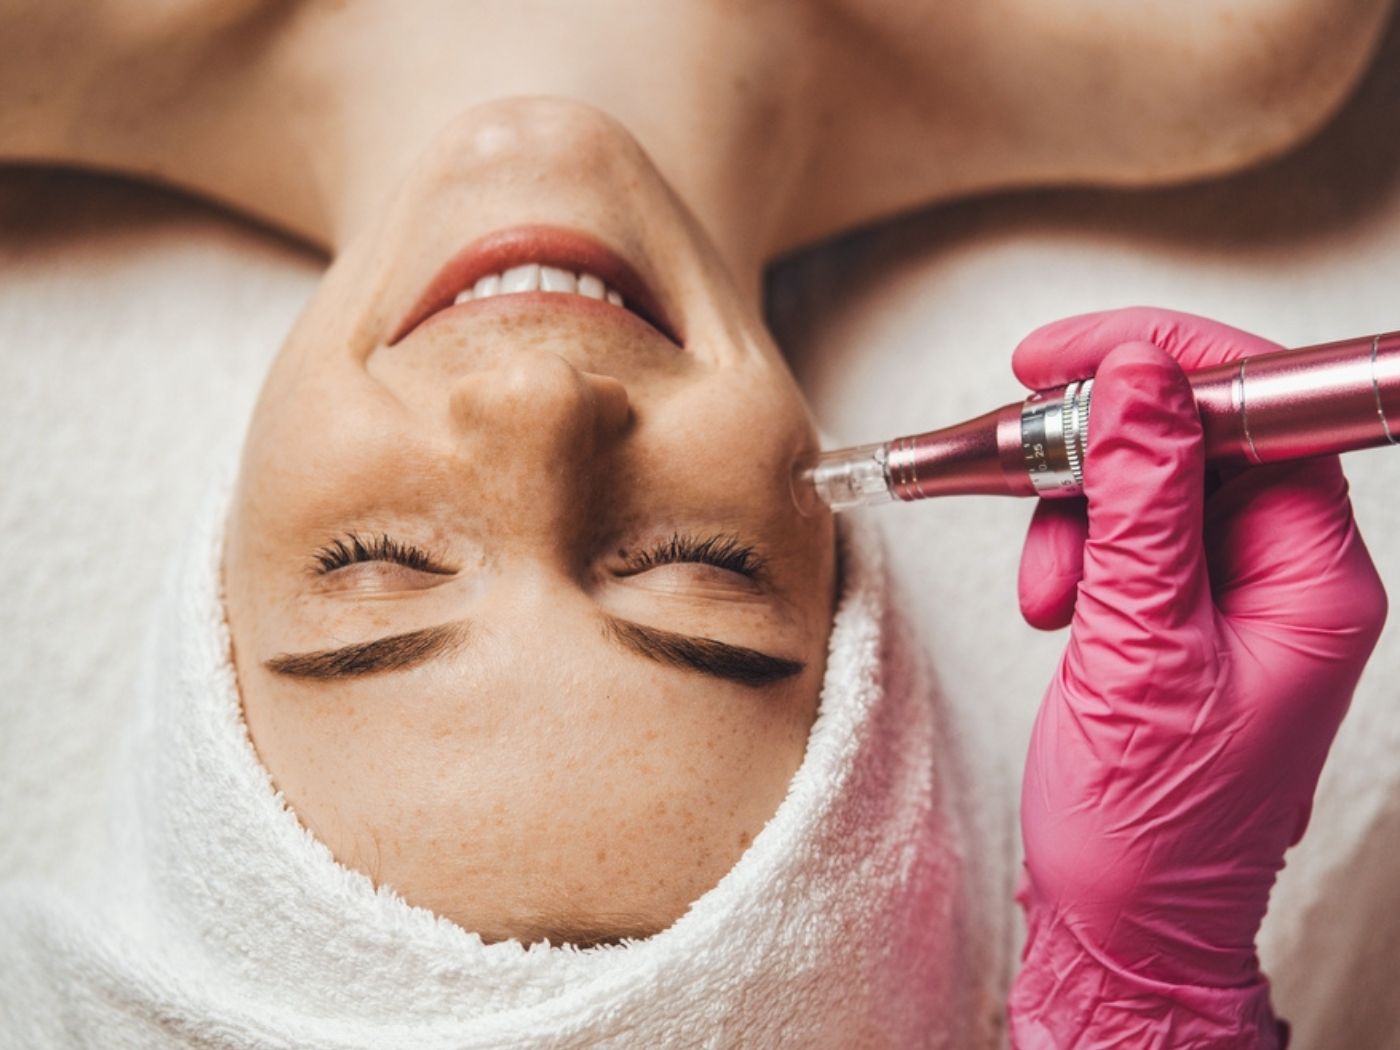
pixel 709 96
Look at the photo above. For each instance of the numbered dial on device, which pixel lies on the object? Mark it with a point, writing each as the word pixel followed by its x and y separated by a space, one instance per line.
pixel 1054 433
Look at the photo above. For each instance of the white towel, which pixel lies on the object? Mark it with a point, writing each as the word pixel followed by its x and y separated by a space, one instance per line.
pixel 215 920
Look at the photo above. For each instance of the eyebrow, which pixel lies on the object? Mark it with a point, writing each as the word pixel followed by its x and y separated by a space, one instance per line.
pixel 394 653
pixel 398 652
pixel 706 655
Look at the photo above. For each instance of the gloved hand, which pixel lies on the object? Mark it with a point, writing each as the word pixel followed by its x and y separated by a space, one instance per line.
pixel 1218 626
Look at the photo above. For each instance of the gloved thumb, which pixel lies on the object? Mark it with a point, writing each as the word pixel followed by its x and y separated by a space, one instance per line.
pixel 1145 583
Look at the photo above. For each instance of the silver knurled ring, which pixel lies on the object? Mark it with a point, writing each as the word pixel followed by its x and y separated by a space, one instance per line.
pixel 1074 424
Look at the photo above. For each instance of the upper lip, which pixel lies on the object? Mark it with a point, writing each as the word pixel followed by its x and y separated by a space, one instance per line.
pixel 549 246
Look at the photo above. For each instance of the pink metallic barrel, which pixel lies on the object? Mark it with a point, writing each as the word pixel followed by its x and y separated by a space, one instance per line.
pixel 979 457
pixel 1297 403
pixel 1288 405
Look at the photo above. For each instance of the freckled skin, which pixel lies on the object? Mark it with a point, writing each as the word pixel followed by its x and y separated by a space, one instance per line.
pixel 542 772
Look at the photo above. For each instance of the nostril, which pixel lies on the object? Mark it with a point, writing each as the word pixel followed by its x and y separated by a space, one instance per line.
pixel 612 406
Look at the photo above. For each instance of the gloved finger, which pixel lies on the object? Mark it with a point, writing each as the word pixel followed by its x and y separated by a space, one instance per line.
pixel 1144 601
pixel 1284 551
pixel 1073 347
pixel 1052 559
pixel 1052 562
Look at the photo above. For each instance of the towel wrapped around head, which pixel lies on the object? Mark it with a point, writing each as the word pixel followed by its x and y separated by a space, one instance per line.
pixel 213 918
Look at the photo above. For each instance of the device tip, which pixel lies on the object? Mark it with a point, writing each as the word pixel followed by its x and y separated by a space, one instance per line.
pixel 804 489
pixel 850 477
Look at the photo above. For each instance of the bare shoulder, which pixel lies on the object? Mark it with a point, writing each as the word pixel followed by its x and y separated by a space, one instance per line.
pixel 924 100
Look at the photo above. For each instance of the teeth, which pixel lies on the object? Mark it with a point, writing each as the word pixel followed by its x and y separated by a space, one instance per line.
pixel 552 280
pixel 534 277
pixel 521 279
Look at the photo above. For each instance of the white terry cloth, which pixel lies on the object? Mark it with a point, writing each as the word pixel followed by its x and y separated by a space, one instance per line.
pixel 215 920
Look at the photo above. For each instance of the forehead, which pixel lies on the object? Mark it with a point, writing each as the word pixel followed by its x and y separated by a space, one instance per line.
pixel 546 775
pixel 516 713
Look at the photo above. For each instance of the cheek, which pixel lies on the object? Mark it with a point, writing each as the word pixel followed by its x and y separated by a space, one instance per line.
pixel 728 433
pixel 306 438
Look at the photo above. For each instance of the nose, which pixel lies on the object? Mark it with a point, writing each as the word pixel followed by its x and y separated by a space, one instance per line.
pixel 538 424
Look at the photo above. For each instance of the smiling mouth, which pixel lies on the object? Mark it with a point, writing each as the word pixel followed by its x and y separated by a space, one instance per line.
pixel 540 261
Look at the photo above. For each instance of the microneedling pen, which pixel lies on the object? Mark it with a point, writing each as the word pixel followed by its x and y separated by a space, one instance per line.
pixel 1291 404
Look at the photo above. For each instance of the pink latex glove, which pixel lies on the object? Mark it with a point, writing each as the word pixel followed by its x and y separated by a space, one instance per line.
pixel 1218 629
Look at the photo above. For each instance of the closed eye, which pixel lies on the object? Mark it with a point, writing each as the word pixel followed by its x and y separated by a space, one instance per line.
pixel 352 549
pixel 720 551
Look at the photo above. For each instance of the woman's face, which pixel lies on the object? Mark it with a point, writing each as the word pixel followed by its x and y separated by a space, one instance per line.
pixel 526 624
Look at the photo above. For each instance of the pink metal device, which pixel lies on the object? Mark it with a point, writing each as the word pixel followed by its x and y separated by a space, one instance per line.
pixel 1286 405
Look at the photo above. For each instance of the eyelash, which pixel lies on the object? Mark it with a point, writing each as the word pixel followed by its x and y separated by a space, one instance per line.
pixel 723 552
pixel 350 549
